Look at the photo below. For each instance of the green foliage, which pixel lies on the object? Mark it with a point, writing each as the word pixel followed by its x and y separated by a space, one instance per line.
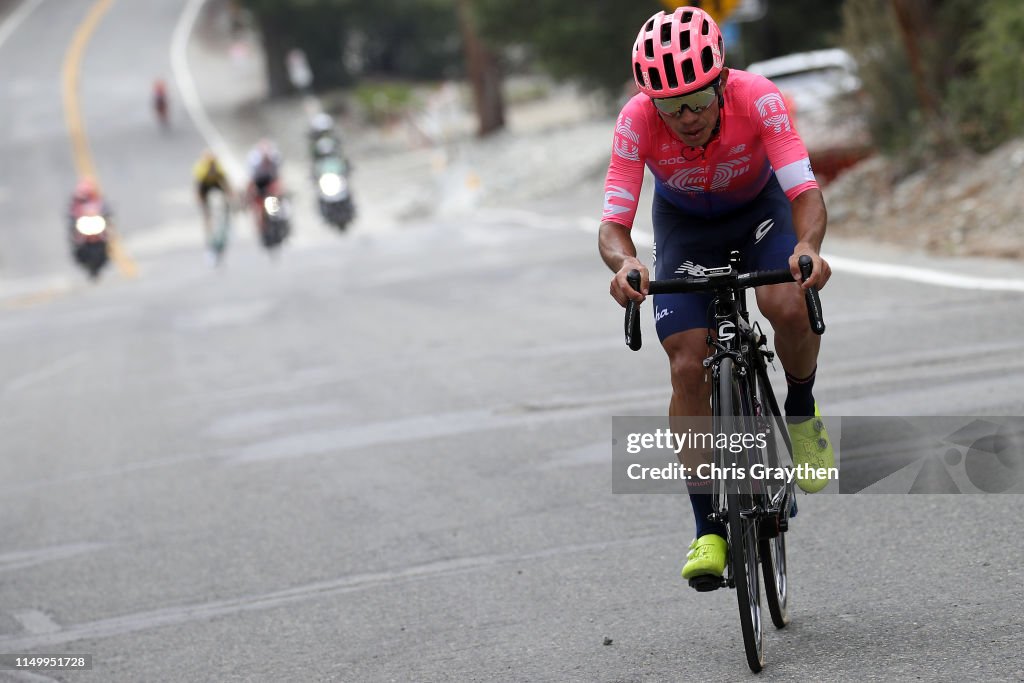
pixel 382 101
pixel 346 39
pixel 972 63
pixel 988 104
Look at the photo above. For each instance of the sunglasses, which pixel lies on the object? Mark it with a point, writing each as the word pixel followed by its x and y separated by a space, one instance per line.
pixel 697 101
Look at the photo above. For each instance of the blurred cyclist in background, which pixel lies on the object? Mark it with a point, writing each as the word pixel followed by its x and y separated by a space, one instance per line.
pixel 209 175
pixel 264 163
pixel 160 101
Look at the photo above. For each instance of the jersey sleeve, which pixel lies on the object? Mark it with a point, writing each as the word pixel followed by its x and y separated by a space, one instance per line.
pixel 625 174
pixel 786 151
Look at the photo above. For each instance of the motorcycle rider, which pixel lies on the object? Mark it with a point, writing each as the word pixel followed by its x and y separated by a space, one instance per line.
pixel 87 193
pixel 86 199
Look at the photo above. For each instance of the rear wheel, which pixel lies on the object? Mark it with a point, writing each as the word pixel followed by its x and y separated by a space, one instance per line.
pixel 743 543
pixel 773 549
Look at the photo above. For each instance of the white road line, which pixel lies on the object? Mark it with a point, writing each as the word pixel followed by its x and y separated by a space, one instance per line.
pixel 16 17
pixel 320 590
pixel 925 276
pixel 45 373
pixel 29 558
pixel 190 96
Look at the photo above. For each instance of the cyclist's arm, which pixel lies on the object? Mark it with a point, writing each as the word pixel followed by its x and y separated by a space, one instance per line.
pixel 809 220
pixel 788 157
pixel 619 253
pixel 622 186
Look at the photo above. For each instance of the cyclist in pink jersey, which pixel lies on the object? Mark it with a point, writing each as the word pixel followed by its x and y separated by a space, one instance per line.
pixel 730 172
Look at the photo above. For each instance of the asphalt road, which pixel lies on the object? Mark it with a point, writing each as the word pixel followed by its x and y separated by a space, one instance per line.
pixel 385 456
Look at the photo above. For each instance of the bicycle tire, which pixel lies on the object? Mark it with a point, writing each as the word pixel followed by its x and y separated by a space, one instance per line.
pixel 743 545
pixel 773 550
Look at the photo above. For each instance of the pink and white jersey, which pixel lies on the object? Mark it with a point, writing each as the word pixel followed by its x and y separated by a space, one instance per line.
pixel 755 139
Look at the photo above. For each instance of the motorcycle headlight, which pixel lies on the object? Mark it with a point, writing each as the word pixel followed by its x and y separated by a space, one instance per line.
pixel 272 205
pixel 90 225
pixel 332 184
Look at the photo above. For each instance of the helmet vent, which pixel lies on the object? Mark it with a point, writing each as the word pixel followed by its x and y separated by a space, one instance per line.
pixel 686 17
pixel 670 72
pixel 666 35
pixel 684 40
pixel 639 72
pixel 655 79
pixel 707 59
pixel 688 75
pixel 705 28
pixel 650 25
pixel 649 48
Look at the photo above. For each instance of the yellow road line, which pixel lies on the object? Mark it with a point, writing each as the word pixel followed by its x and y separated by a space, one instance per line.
pixel 73 118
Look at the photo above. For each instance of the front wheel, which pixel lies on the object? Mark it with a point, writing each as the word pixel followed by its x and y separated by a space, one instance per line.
pixel 743 542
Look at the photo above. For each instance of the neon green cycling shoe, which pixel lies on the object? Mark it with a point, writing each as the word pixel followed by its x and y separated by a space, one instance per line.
pixel 812 449
pixel 706 557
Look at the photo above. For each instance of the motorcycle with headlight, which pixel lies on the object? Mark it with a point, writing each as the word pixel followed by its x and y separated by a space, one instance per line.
pixel 275 215
pixel 333 191
pixel 90 237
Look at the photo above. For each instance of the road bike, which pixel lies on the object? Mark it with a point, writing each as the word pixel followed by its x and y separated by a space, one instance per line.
pixel 220 215
pixel 754 509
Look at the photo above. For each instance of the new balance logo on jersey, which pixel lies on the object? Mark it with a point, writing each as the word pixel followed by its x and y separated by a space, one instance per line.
pixel 737 149
pixel 762 230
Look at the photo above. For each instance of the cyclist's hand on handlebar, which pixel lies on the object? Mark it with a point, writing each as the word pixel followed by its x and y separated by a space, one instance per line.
pixel 820 272
pixel 620 289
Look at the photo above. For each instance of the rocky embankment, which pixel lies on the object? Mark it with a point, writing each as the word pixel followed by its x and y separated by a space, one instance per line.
pixel 965 206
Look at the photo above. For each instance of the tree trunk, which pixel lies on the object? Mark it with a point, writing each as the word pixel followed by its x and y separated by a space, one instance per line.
pixel 916 27
pixel 484 73
pixel 275 48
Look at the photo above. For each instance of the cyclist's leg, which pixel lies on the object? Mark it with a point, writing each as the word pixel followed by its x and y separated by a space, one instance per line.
pixel 770 246
pixel 682 323
pixel 203 192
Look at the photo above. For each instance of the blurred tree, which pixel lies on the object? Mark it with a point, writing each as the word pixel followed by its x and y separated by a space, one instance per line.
pixel 589 43
pixel 940 74
pixel 987 99
pixel 791 26
pixel 344 39
pixel 484 71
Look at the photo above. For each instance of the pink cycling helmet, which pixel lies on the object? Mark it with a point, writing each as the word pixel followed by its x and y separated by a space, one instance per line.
pixel 677 53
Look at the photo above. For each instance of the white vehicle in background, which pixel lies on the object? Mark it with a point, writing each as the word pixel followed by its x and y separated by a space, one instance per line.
pixel 822 91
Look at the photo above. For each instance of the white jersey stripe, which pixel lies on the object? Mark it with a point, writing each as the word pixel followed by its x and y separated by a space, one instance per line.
pixel 796 173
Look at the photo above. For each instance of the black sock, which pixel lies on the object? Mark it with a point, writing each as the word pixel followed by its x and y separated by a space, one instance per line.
pixel 800 400
pixel 701 501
